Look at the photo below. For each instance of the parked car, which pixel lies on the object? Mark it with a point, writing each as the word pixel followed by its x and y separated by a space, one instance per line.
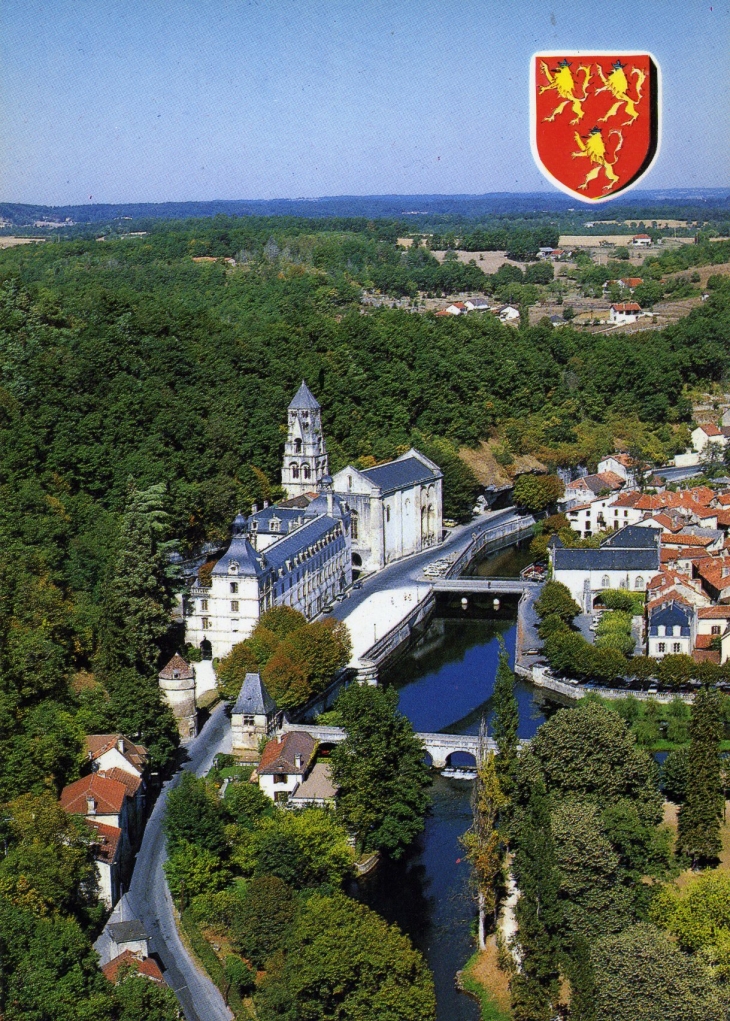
pixel 357 584
pixel 341 596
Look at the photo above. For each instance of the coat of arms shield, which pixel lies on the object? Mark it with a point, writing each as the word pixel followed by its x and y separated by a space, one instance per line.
pixel 595 120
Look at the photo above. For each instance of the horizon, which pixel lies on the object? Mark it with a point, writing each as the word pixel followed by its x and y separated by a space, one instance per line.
pixel 115 103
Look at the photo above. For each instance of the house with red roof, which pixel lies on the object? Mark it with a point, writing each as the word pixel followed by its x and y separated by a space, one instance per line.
pixel 107 848
pixel 106 751
pixel 624 312
pixel 285 763
pixel 705 434
pixel 128 961
pixel 640 240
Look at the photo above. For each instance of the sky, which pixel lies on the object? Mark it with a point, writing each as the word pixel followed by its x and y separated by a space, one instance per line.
pixel 153 100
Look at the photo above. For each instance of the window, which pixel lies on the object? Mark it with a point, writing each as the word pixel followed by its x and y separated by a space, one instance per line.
pixel 676 630
pixel 661 630
pixel 349 481
pixel 234 586
pixel 626 514
pixel 248 721
pixel 297 446
pixel 280 778
pixel 233 567
pixel 234 625
pixel 275 524
pixel 353 525
pixel 639 583
pixel 387 513
pixel 661 647
pixel 204 605
pixel 234 606
pixel 677 647
pixel 294 468
pixel 305 471
pixel 715 629
pixel 605 581
pixel 206 623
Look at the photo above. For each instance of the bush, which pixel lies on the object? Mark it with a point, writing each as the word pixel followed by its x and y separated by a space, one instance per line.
pixel 555 598
pixel 617 599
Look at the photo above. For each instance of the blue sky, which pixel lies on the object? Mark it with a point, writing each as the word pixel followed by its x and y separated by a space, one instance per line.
pixel 153 100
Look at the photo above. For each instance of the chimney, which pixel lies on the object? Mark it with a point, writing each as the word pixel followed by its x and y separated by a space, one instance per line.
pixel 330 502
pixel 298 761
pixel 266 504
pixel 120 744
pixel 254 508
pixel 90 804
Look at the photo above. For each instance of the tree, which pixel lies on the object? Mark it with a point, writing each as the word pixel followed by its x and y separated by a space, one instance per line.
pixel 675 774
pixel 263 922
pixel 192 870
pixel 555 598
pixel 142 1000
pixel 505 722
pixel 193 816
pixel 591 754
pixel 641 973
pixel 380 771
pixel 344 961
pixel 483 841
pixel 306 848
pixel 141 592
pixel 698 917
pixel 244 803
pixel 698 830
pixel 535 985
pixel 536 492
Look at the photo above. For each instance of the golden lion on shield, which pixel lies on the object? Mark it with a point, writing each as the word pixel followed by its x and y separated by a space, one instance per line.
pixel 561 81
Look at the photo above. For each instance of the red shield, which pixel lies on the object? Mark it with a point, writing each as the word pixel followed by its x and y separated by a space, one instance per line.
pixel 595 120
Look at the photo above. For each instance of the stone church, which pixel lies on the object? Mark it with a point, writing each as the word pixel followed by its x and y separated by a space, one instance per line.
pixel 302 551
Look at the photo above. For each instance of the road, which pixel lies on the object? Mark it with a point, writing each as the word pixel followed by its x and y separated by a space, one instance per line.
pixel 150 898
pixel 410 570
pixel 677 474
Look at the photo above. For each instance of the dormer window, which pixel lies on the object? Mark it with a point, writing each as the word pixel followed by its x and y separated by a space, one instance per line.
pixel 233 567
pixel 275 524
pixel 254 526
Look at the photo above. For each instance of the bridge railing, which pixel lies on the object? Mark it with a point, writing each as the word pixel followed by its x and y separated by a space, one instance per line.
pixel 483 539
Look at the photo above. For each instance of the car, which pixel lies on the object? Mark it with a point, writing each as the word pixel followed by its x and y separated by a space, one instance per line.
pixel 328 608
pixel 653 689
pixel 357 584
pixel 341 596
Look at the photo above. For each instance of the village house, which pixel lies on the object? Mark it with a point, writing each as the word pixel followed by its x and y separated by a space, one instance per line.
pixel 641 240
pixel 107 851
pixel 107 751
pixel 456 308
pixel 315 789
pixel 128 962
pixel 714 574
pixel 625 312
pixel 671 630
pixel 590 486
pixel 285 763
pixel 627 559
pixel 477 304
pixel 507 313
pixel 705 434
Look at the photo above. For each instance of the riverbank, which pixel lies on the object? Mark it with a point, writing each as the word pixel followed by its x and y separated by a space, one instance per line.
pixel 483 980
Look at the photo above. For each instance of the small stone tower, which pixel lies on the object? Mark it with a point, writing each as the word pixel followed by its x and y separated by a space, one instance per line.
pixel 177 681
pixel 253 716
pixel 305 455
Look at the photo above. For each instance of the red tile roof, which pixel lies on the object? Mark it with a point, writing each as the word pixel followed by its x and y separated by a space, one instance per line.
pixel 146 966
pixel 279 756
pixel 175 668
pixel 685 539
pixel 106 841
pixel 626 306
pixel 108 794
pixel 98 744
pixel 130 781
pixel 714 613
pixel 711 430
pixel 706 656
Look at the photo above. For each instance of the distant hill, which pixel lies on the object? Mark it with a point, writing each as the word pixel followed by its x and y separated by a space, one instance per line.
pixel 415 208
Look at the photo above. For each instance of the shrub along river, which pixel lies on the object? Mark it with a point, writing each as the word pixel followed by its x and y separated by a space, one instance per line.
pixel 445 682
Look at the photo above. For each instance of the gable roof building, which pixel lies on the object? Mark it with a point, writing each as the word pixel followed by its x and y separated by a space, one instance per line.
pixel 107 750
pixel 627 559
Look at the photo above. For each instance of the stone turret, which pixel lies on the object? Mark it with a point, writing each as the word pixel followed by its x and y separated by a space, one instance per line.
pixel 254 716
pixel 305 454
pixel 177 681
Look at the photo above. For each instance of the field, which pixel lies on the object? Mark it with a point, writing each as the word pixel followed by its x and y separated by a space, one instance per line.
pixel 11 242
pixel 488 262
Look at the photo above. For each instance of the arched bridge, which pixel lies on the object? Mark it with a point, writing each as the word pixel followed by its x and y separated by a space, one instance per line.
pixel 439 746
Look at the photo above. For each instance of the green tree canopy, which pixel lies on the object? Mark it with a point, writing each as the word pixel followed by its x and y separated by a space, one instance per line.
pixel 380 771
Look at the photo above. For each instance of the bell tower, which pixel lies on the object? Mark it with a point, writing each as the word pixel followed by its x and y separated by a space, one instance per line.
pixel 305 455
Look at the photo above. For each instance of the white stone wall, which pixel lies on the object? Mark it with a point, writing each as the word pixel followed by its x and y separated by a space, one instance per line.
pixel 576 582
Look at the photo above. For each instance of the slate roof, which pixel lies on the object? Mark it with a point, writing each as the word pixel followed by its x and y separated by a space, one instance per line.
pixel 405 471
pixel 632 537
pixel 275 556
pixel 249 561
pixel 304 400
pixel 318 786
pixel 279 756
pixel 254 699
pixel 671 616
pixel 127 932
pixel 597 483
pixel 177 667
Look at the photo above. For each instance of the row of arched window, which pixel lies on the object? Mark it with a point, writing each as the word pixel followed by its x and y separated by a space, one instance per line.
pixel 638 584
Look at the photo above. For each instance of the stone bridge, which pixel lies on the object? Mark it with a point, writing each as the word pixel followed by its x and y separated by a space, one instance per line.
pixel 440 747
pixel 484 586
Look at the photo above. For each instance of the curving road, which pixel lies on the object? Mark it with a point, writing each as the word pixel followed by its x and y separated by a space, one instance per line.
pixel 150 898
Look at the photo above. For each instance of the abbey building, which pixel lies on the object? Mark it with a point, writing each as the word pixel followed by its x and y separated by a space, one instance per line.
pixel 302 552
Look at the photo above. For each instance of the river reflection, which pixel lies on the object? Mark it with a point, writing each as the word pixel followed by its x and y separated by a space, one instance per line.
pixel 445 683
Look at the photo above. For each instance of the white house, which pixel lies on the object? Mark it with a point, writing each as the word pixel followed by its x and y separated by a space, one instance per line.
pixel 394 509
pixel 625 312
pixel 508 313
pixel 705 434
pixel 110 751
pixel 672 630
pixel 457 308
pixel 628 559
pixel 477 304
pixel 284 764
pixel 622 465
pixel 641 240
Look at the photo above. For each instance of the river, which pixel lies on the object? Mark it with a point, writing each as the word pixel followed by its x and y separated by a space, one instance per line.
pixel 445 682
